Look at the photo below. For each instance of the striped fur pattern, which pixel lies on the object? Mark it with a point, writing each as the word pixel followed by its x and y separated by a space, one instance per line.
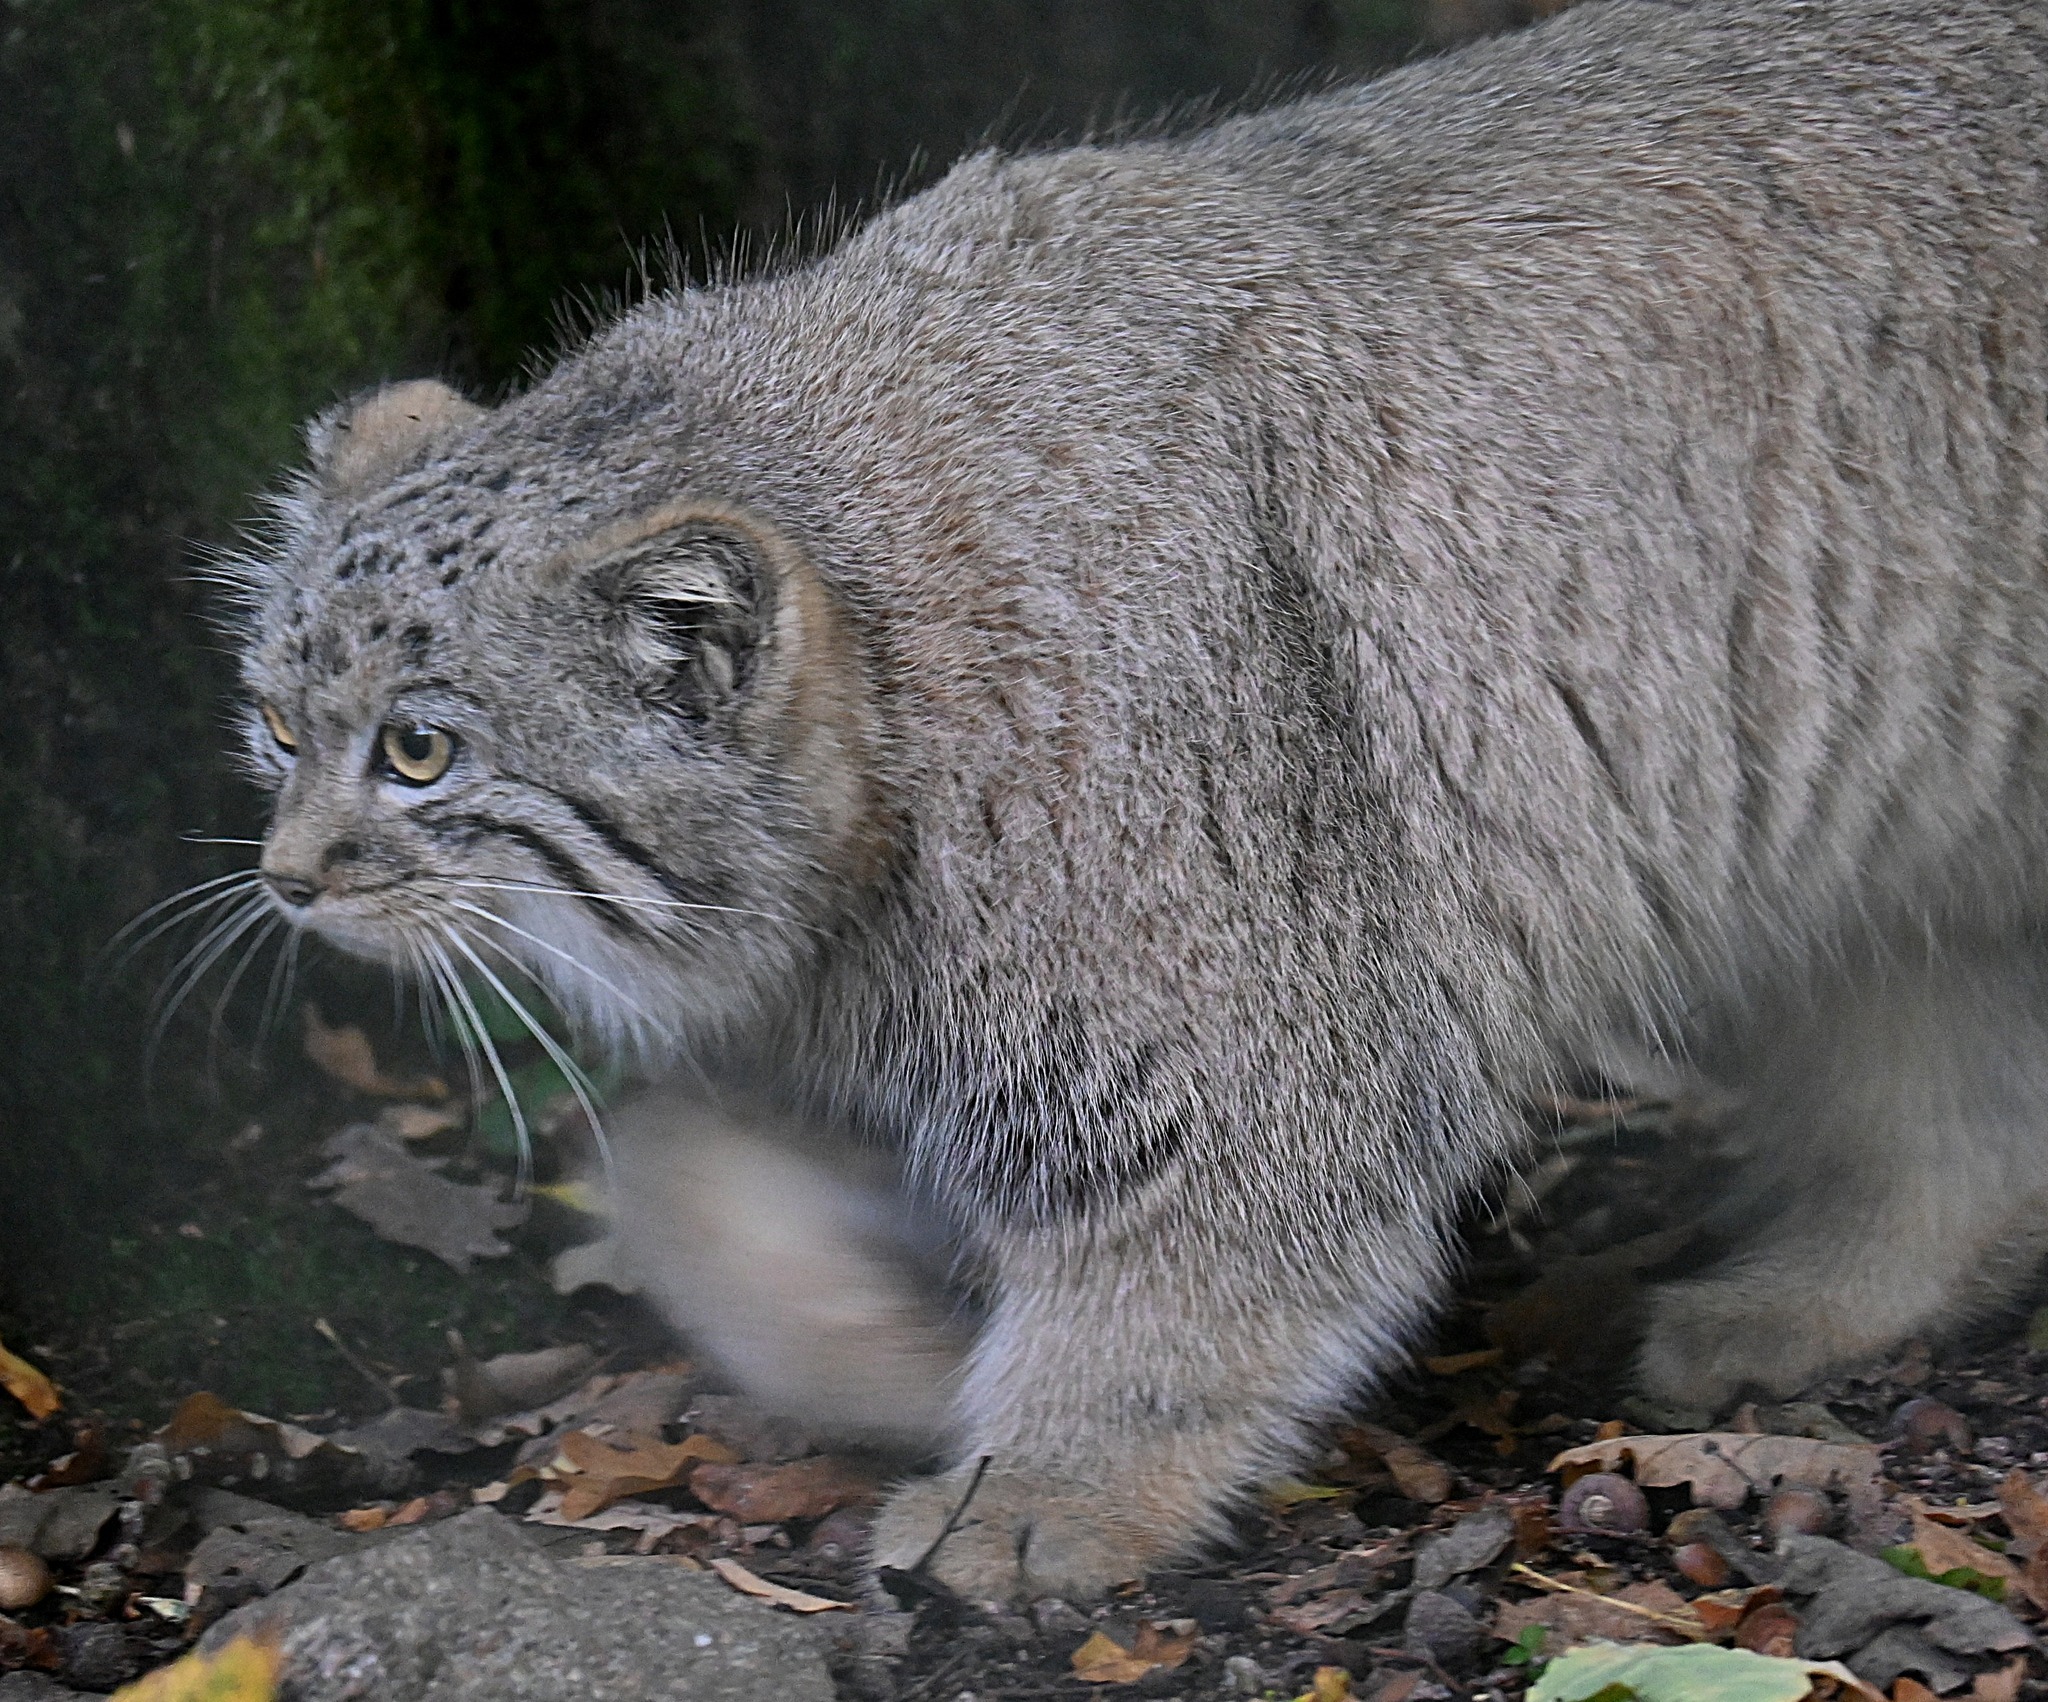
pixel 1170 683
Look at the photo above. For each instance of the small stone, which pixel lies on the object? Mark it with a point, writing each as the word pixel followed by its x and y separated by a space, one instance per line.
pixel 1243 1676
pixel 1057 1618
pixel 883 1634
pixel 104 1586
pixel 1442 1629
pixel 97 1657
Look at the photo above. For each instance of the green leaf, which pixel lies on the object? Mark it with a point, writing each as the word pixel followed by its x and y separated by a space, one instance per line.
pixel 1528 1646
pixel 1906 1558
pixel 1697 1672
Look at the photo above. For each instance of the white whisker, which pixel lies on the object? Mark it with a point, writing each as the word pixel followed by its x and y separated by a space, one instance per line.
pixel 194 904
pixel 452 983
pixel 580 1084
pixel 550 947
pixel 629 902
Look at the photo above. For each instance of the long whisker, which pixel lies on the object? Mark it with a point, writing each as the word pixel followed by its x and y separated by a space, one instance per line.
pixel 202 839
pixel 194 903
pixel 628 901
pixel 452 982
pixel 191 968
pixel 278 995
pixel 250 952
pixel 580 1084
pixel 429 974
pixel 195 966
pixel 550 947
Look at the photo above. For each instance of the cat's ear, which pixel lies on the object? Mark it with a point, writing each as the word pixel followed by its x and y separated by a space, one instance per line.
pixel 689 599
pixel 362 443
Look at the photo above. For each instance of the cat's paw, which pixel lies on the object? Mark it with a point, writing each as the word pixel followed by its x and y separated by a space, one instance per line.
pixel 1022 1536
pixel 1711 1342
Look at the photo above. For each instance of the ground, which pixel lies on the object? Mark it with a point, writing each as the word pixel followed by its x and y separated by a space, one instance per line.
pixel 1427 1552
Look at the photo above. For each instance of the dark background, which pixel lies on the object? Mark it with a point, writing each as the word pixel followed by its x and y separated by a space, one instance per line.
pixel 217 217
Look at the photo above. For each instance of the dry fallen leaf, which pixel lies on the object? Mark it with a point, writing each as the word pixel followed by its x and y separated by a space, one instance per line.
pixel 2002 1685
pixel 345 1054
pixel 1103 1660
pixel 28 1385
pixel 419 1122
pixel 407 1200
pixel 1724 1467
pixel 1942 1549
pixel 594 1473
pixel 798 1601
pixel 1417 1473
pixel 767 1495
pixel 245 1670
pixel 511 1382
pixel 2026 1513
pixel 1639 1613
pixel 203 1421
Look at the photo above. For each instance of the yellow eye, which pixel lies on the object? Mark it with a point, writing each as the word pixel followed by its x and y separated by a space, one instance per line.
pixel 416 754
pixel 278 730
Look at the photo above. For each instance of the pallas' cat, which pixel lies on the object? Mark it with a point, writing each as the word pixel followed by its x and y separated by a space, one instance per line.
pixel 1170 685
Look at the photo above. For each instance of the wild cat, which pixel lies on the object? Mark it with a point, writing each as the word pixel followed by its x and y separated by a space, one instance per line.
pixel 1170 684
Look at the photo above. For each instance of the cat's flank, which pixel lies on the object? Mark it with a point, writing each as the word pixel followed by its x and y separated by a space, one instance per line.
pixel 1171 684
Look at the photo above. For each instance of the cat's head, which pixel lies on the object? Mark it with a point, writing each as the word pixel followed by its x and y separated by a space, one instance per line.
pixel 528 717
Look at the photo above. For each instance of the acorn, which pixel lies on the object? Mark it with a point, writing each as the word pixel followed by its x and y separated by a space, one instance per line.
pixel 1928 1424
pixel 1604 1504
pixel 1702 1565
pixel 24 1579
pixel 1806 1511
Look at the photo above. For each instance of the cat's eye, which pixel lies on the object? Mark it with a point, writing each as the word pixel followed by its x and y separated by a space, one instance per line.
pixel 414 753
pixel 286 741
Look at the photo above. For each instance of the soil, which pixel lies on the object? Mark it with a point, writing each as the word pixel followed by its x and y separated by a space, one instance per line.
pixel 1529 1360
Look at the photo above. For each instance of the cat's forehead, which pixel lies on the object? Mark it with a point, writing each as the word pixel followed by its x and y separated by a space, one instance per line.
pixel 382 591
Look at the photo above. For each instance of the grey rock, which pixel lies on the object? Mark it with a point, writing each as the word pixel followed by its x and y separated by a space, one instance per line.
pixel 58 1524
pixel 33 1687
pixel 1901 1650
pixel 98 1656
pixel 1471 1543
pixel 470 1611
pixel 262 1552
pixel 1243 1676
pixel 1856 1596
pixel 1442 1629
pixel 1057 1618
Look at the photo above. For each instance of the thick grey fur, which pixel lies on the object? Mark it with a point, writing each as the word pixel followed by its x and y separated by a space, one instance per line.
pixel 1196 673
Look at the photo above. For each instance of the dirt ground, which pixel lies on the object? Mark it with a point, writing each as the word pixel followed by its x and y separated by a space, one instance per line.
pixel 1428 1551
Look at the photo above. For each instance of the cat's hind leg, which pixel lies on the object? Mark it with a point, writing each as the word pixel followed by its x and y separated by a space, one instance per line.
pixel 1900 1178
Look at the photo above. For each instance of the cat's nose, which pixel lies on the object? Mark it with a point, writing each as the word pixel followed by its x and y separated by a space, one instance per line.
pixel 296 890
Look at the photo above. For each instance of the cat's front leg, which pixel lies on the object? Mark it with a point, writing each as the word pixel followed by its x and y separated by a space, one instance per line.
pixel 1138 1375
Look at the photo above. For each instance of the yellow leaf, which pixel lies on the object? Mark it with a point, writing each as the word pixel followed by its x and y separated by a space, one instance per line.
pixel 1330 1684
pixel 244 1671
pixel 1103 1660
pixel 1285 1492
pixel 28 1385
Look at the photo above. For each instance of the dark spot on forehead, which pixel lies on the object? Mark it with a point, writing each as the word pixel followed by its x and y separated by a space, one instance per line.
pixel 451 576
pixel 379 628
pixel 418 640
